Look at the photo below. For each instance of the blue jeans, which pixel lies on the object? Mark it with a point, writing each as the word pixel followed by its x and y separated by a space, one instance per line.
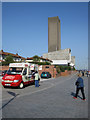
pixel 36 83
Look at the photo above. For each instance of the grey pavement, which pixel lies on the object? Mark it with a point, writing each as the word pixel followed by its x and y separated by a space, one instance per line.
pixel 53 99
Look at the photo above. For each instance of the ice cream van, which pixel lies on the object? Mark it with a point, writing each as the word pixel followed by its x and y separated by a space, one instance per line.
pixel 19 75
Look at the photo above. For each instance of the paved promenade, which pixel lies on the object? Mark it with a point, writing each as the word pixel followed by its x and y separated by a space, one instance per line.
pixel 53 99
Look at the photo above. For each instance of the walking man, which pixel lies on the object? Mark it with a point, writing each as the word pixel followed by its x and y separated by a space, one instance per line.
pixel 79 86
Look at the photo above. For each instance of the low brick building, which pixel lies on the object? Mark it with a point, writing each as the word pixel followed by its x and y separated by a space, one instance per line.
pixel 16 57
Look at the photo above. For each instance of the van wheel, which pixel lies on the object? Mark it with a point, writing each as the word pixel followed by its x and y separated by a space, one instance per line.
pixel 21 85
pixel 4 86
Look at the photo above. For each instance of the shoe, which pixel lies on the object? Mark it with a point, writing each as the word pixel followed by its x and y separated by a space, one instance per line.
pixel 74 97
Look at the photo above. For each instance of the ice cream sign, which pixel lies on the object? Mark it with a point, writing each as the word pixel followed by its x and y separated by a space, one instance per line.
pixel 9 77
pixel 18 65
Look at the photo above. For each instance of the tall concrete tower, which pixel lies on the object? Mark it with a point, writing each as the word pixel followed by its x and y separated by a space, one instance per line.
pixel 54 34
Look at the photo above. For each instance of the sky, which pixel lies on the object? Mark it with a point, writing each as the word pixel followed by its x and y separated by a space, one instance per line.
pixel 25 28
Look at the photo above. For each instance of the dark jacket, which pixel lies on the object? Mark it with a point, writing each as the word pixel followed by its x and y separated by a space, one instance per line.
pixel 80 81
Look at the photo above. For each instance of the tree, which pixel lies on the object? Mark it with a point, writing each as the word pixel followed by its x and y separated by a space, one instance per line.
pixel 36 58
pixel 44 63
pixel 9 59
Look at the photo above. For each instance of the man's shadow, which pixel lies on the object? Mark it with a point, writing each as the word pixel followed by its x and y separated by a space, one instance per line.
pixel 73 94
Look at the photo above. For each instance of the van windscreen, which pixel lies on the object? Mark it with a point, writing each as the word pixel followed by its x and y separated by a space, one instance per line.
pixel 13 71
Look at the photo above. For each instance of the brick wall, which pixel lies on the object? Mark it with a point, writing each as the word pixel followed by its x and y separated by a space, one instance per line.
pixel 50 69
pixel 66 73
pixel 4 68
pixel 46 68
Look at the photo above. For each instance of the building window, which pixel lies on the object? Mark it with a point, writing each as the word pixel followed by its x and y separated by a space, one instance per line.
pixel 14 59
pixel 47 66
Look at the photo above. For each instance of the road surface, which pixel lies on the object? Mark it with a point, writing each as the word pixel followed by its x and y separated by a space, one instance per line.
pixel 53 99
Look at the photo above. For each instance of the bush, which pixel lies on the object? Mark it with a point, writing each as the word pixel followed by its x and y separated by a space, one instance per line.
pixel 73 68
pixel 58 69
pixel 42 63
pixel 69 68
pixel 62 68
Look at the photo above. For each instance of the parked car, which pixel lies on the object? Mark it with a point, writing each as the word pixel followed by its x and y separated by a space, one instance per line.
pixel 4 72
pixel 45 75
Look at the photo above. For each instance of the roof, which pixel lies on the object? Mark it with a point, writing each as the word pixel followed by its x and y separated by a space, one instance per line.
pixel 14 55
pixel 31 58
